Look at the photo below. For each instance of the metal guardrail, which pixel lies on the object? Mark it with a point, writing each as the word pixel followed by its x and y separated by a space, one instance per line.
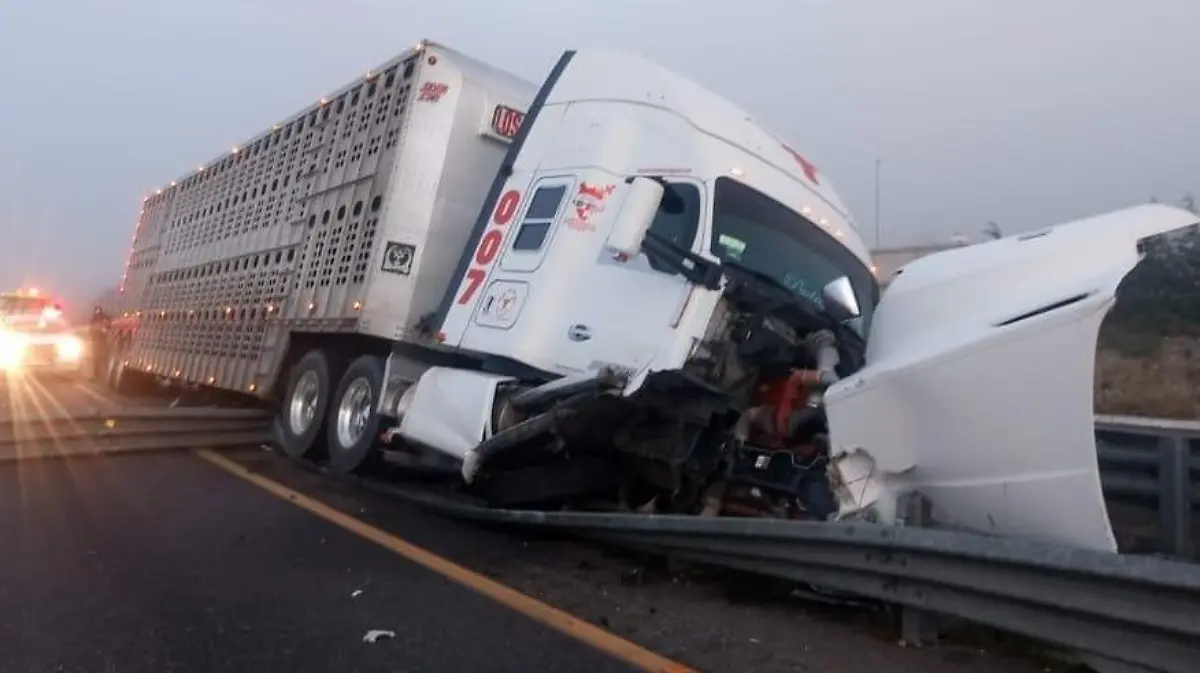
pixel 1135 610
pixel 1138 611
pixel 105 432
pixel 1154 464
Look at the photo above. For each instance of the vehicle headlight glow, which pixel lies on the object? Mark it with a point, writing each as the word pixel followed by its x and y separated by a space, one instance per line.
pixel 12 351
pixel 70 348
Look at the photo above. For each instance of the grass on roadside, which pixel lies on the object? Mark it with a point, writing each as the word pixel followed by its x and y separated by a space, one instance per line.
pixel 1149 377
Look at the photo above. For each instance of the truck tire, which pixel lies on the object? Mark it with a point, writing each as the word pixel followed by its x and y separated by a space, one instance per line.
pixel 353 424
pixel 112 372
pixel 120 379
pixel 298 427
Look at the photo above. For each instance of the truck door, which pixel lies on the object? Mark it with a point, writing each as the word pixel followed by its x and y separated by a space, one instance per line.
pixel 627 311
pixel 560 301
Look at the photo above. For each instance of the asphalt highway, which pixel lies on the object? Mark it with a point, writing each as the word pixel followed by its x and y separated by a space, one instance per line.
pixel 166 563
pixel 197 561
pixel 31 398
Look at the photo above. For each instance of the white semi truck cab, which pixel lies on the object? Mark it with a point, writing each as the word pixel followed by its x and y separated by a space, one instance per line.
pixel 619 287
pixel 557 278
pixel 650 255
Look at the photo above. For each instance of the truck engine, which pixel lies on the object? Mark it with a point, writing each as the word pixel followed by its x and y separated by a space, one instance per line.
pixel 773 354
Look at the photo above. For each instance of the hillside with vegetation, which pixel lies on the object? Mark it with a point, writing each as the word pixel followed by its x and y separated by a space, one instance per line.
pixel 1149 358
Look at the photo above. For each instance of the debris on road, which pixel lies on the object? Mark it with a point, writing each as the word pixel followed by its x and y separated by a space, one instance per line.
pixel 375 634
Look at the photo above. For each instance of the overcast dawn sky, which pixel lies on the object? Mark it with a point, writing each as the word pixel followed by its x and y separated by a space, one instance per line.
pixel 1026 112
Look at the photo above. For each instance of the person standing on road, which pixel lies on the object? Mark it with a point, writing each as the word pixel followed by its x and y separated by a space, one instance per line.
pixel 99 327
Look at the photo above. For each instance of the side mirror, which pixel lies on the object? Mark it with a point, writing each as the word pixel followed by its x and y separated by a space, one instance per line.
pixel 840 302
pixel 634 217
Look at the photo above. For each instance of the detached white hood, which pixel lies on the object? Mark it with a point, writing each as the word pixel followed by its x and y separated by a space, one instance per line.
pixel 979 381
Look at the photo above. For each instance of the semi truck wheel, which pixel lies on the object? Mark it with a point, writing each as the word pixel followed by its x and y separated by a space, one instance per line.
pixel 115 376
pixel 353 425
pixel 123 380
pixel 302 413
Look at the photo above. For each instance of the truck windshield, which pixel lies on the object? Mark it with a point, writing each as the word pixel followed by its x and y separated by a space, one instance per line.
pixel 763 235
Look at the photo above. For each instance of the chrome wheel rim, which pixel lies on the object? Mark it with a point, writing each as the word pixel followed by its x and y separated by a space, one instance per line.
pixel 354 410
pixel 302 408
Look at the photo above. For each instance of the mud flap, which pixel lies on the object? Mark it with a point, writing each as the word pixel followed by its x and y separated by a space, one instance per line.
pixel 979 382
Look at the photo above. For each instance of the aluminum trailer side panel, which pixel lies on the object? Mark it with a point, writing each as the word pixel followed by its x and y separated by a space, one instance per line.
pixel 289 232
pixel 449 157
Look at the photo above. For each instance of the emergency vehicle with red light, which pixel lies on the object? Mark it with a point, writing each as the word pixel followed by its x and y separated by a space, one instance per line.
pixel 35 337
pixel 618 286
pixel 28 301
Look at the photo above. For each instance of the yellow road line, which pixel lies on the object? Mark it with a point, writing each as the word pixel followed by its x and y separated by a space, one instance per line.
pixel 552 617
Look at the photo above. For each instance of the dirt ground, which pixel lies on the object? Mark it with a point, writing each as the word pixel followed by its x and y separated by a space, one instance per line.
pixel 1162 381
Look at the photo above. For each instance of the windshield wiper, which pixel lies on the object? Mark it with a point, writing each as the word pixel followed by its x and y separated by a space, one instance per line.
pixel 810 308
pixel 787 295
pixel 691 266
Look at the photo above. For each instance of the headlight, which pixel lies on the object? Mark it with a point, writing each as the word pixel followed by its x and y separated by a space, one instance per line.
pixel 12 351
pixel 70 348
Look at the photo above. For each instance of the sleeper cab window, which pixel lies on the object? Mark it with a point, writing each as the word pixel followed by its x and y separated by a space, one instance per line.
pixel 539 218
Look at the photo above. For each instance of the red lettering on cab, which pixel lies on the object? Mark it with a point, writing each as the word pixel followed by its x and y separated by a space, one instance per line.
pixel 489 245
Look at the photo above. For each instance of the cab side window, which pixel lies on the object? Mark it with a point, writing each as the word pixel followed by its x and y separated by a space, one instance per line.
pixel 678 219
pixel 535 228
pixel 539 218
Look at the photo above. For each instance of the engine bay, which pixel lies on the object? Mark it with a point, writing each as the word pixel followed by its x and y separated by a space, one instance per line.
pixel 739 430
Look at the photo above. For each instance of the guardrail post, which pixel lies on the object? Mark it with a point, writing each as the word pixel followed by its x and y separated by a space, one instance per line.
pixel 917 626
pixel 1175 494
